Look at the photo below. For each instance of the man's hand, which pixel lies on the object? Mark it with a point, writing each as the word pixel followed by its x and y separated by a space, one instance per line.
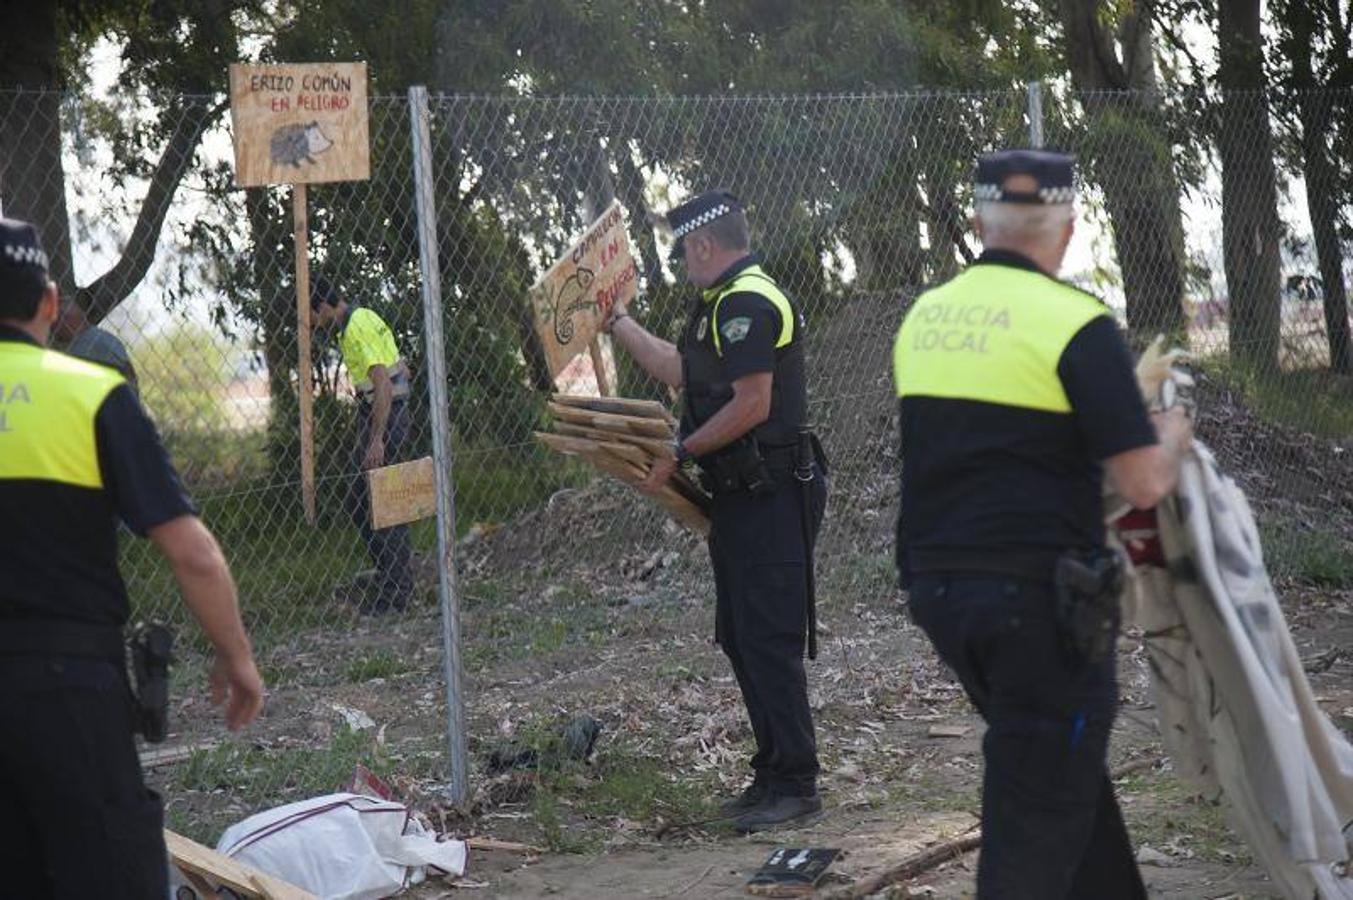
pixel 662 470
pixel 375 454
pixel 237 684
pixel 1175 428
pixel 617 311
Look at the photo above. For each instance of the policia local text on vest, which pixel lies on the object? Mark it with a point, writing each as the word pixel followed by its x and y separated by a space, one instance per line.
pixel 77 454
pixel 740 361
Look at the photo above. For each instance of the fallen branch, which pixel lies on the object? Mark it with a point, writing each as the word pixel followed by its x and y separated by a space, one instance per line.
pixel 691 884
pixel 479 843
pixel 939 854
pixel 910 867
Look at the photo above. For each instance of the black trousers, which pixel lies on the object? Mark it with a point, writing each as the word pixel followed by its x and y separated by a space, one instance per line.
pixel 761 620
pixel 78 820
pixel 388 548
pixel 1051 827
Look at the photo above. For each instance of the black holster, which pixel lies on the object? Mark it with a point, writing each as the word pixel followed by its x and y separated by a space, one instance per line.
pixel 152 651
pixel 1089 589
pixel 739 467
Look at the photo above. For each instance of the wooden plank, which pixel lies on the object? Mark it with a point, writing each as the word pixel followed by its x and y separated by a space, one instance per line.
pixel 217 868
pixel 299 123
pixel 679 480
pixel 575 294
pixel 404 492
pixel 644 409
pixel 654 446
pixel 679 507
pixel 482 843
pixel 167 756
pixel 305 387
pixel 621 424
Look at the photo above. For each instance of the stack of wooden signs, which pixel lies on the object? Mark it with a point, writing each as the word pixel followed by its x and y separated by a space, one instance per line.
pixel 622 438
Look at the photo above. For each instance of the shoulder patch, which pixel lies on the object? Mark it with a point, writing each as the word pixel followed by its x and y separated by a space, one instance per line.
pixel 736 329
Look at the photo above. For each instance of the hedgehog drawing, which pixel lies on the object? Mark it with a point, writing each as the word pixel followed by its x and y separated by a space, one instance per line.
pixel 293 144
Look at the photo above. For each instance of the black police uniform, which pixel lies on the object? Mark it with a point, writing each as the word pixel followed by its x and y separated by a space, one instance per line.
pixel 759 546
pixel 76 454
pixel 1014 387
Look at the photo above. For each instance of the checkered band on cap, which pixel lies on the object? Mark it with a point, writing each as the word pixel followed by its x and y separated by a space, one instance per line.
pixel 701 220
pixel 25 254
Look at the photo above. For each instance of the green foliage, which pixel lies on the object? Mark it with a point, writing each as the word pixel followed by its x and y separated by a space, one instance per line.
pixel 260 777
pixel 1309 400
pixel 1317 558
pixel 184 373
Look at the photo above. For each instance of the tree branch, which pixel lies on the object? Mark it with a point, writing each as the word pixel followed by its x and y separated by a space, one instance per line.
pixel 102 295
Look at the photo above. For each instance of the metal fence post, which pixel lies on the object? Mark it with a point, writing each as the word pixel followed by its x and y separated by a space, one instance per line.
pixel 441 441
pixel 1035 112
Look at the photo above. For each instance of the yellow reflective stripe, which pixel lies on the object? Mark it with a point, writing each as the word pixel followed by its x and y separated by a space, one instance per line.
pixel 366 341
pixel 48 403
pixel 993 334
pixel 753 280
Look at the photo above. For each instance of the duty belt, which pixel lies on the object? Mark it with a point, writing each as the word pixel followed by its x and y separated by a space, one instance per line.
pixel 399 378
pixel 46 637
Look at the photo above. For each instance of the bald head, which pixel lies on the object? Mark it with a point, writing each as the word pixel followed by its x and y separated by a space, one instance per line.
pixel 1040 231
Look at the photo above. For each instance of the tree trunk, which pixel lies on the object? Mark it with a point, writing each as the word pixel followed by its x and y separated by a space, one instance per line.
pixel 1251 231
pixel 32 179
pixel 1131 161
pixel 1321 188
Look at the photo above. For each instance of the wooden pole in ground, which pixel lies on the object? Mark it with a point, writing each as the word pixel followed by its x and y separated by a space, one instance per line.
pixel 304 383
pixel 599 366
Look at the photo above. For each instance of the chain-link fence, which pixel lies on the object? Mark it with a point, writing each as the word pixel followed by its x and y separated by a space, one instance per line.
pixel 1222 224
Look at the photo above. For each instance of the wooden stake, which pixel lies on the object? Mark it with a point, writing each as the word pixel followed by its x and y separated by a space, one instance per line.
pixel 599 366
pixel 304 382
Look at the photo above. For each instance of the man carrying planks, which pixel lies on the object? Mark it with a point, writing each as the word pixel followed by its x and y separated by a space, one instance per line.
pixel 740 360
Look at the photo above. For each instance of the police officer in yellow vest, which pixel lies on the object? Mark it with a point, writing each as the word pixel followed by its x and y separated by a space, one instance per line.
pixel 1017 394
pixel 740 360
pixel 380 376
pixel 76 455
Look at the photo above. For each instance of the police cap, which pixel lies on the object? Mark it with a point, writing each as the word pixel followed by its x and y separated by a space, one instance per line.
pixel 1053 172
pixel 698 212
pixel 22 259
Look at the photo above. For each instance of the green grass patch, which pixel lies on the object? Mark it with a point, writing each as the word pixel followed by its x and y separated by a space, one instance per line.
pixel 1311 400
pixel 1165 813
pixel 1318 558
pixel 261 777
pixel 375 664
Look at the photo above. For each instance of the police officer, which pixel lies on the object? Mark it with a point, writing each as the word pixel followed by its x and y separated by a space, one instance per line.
pixel 76 454
pixel 740 359
pixel 380 376
pixel 1017 393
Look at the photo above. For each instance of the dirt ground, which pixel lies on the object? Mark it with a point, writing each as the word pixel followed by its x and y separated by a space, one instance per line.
pixel 890 789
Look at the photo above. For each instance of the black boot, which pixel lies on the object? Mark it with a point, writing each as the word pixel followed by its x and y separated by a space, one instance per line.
pixel 751 797
pixel 778 809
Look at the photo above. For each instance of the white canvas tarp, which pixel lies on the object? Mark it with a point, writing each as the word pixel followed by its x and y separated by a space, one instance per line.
pixel 1236 712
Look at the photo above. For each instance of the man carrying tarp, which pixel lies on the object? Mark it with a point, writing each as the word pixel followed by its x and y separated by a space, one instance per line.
pixel 1017 392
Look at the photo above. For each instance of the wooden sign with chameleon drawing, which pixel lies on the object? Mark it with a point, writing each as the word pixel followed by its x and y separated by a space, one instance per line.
pixel 573 297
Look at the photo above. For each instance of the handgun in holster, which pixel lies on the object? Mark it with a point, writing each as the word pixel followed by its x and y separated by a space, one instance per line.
pixel 741 467
pixel 1089 589
pixel 152 649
